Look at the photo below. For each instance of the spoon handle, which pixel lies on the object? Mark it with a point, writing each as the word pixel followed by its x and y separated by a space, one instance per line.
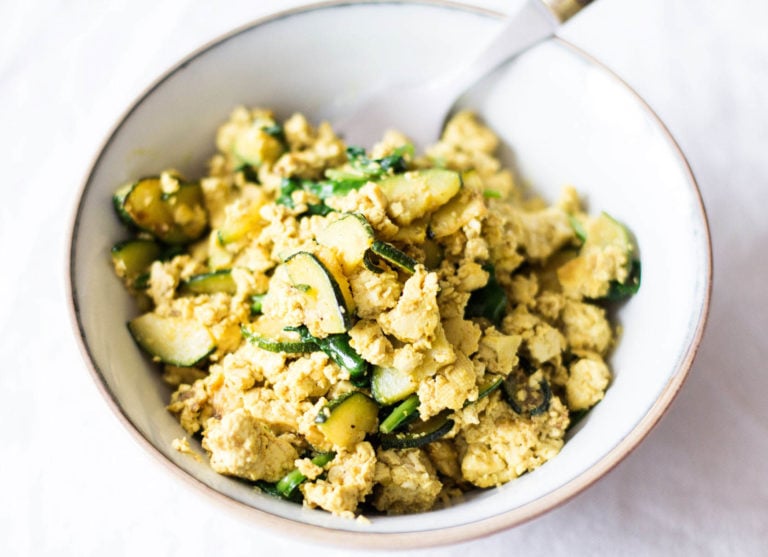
pixel 564 10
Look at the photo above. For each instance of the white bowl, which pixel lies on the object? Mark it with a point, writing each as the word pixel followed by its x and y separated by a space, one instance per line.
pixel 566 119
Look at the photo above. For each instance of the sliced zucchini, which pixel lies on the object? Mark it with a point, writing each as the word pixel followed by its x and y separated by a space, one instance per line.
pixel 242 218
pixel 394 256
pixel 526 396
pixel 174 218
pixel 346 420
pixel 414 194
pixel 340 351
pixel 370 262
pixel 390 385
pixel 618 291
pixel 419 433
pixel 270 334
pixel 220 281
pixel 172 340
pixel 326 302
pixel 118 201
pixel 492 383
pixel 350 237
pixel 606 257
pixel 132 258
pixel 287 485
pixel 255 145
pixel 402 413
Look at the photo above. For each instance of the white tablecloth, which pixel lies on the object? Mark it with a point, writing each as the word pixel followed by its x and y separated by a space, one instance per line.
pixel 73 482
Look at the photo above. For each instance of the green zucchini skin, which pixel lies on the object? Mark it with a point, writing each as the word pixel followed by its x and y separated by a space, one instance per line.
pixel 219 281
pixel 486 389
pixel 267 342
pixel 172 340
pixel 347 419
pixel 305 269
pixel 536 403
pixel 118 203
pixel 337 348
pixel 618 291
pixel 147 207
pixel 132 258
pixel 370 264
pixel 418 434
pixel 394 256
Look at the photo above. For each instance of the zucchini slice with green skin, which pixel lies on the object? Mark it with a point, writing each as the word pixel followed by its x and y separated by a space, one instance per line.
pixel 414 194
pixel 370 263
pixel 418 433
pixel 172 218
pixel 118 200
pixel 390 385
pixel 215 282
pixel 618 291
pixel 491 384
pixel 526 399
pixel 394 256
pixel 337 348
pixel 402 413
pixel 255 145
pixel 326 304
pixel 172 340
pixel 349 237
pixel 132 258
pixel 606 259
pixel 287 485
pixel 346 420
pixel 269 334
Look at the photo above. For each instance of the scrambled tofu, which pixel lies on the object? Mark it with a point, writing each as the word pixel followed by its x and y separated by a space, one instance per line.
pixel 370 332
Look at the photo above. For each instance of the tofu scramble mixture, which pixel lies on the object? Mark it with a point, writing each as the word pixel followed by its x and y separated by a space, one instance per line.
pixel 370 331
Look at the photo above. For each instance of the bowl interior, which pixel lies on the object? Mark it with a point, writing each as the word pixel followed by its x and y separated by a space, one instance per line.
pixel 563 119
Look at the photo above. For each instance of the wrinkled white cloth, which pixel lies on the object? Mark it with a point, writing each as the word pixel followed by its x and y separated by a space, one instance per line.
pixel 73 482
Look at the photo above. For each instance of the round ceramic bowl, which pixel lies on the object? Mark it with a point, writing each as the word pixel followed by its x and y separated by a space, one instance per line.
pixel 563 118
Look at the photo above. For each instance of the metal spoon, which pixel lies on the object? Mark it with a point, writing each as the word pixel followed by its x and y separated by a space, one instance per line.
pixel 420 111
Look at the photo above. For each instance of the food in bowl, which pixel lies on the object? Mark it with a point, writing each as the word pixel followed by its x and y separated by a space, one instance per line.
pixel 370 331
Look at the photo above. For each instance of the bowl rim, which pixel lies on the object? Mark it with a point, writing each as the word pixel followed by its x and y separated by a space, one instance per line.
pixel 394 540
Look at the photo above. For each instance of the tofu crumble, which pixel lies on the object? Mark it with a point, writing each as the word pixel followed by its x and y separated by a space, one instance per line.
pixel 370 331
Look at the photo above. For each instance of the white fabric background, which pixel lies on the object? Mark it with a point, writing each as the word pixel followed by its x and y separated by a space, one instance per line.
pixel 74 482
